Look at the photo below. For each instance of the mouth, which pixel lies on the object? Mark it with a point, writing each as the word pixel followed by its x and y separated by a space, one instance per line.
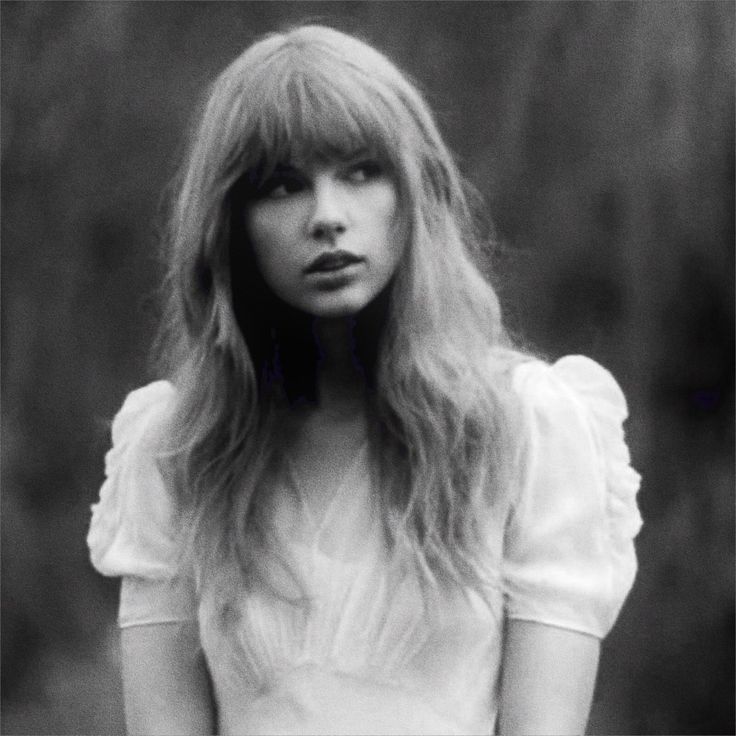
pixel 332 261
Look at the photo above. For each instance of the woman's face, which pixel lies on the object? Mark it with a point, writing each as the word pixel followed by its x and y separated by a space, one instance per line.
pixel 325 234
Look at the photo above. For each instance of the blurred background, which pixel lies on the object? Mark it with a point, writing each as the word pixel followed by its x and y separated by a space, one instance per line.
pixel 602 138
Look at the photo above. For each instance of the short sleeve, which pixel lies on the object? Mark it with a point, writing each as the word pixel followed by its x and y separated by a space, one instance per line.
pixel 569 557
pixel 133 532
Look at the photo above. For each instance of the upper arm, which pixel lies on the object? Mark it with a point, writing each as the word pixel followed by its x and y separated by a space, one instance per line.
pixel 548 678
pixel 135 533
pixel 165 680
pixel 569 558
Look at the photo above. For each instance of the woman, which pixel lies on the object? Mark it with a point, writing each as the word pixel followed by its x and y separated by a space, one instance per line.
pixel 354 507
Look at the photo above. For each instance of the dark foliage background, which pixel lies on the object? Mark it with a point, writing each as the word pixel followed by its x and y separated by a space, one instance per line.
pixel 602 137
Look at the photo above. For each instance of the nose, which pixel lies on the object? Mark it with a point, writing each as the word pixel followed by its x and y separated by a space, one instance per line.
pixel 329 217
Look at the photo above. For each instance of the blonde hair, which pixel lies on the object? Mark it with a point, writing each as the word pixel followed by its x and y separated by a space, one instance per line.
pixel 440 371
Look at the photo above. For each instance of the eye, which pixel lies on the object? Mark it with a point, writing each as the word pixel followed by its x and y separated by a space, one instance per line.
pixel 281 185
pixel 363 171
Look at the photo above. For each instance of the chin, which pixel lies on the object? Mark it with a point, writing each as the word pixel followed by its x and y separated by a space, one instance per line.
pixel 336 306
pixel 336 311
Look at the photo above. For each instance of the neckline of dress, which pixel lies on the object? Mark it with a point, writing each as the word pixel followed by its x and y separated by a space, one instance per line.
pixel 297 485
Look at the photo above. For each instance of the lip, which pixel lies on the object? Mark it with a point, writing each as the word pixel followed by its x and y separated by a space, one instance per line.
pixel 334 260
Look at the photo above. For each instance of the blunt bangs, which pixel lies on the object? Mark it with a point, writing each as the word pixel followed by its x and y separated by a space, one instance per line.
pixel 307 104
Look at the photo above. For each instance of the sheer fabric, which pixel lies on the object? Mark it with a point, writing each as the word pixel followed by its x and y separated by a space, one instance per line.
pixel 365 651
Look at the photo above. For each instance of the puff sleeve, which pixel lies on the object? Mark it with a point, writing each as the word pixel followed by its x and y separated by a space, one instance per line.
pixel 569 557
pixel 133 531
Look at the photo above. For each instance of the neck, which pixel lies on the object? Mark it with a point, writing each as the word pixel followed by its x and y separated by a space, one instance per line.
pixel 340 380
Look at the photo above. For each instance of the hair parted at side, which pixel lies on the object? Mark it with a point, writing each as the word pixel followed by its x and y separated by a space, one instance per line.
pixel 441 358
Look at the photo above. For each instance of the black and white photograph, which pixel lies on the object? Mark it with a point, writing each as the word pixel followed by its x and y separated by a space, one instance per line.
pixel 367 367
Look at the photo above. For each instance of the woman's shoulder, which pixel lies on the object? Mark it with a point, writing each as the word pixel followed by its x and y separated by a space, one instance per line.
pixel 570 553
pixel 575 378
pixel 133 525
pixel 141 409
pixel 577 406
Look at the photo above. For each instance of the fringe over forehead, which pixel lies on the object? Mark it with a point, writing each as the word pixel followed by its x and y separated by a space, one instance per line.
pixel 315 93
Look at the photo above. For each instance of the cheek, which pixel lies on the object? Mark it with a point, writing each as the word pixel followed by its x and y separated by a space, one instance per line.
pixel 261 234
pixel 270 237
pixel 390 221
pixel 384 213
pixel 388 206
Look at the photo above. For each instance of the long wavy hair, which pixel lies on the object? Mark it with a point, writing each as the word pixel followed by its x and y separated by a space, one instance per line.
pixel 436 355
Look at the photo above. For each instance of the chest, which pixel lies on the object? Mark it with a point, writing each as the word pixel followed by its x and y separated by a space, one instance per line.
pixel 316 454
pixel 334 595
pixel 357 617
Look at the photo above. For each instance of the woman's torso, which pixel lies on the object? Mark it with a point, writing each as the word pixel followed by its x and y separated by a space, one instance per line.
pixel 368 650
pixel 365 649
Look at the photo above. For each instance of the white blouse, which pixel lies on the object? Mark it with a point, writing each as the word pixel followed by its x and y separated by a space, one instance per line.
pixel 370 652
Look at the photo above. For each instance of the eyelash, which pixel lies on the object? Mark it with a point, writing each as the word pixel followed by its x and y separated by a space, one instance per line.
pixel 292 184
pixel 370 168
pixel 356 173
